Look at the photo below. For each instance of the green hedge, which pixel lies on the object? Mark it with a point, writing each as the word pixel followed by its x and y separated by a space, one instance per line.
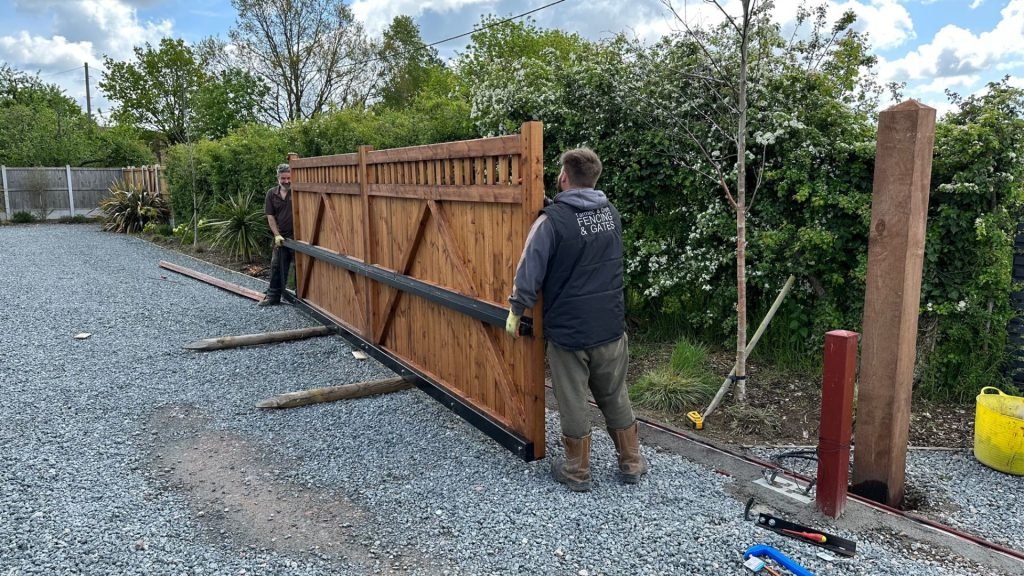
pixel 242 163
pixel 812 132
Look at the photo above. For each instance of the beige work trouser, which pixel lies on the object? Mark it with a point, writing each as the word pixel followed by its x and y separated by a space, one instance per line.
pixel 601 371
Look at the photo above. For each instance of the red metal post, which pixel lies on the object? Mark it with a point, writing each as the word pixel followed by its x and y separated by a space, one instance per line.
pixel 836 421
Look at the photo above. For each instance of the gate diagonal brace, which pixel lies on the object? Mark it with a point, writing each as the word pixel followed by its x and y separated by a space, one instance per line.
pixel 478 309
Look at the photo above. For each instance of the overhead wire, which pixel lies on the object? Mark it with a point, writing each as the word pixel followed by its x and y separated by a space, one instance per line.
pixel 48 74
pixel 457 36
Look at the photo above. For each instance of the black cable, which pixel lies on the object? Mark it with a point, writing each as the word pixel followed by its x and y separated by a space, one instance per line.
pixel 456 37
pixel 48 74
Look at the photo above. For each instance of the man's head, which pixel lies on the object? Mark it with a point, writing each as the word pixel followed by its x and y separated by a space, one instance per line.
pixel 284 176
pixel 580 169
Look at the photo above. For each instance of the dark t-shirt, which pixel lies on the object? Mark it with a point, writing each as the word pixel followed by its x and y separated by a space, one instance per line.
pixel 280 209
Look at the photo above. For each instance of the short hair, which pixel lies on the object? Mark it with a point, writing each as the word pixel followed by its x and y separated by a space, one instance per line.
pixel 582 167
pixel 282 168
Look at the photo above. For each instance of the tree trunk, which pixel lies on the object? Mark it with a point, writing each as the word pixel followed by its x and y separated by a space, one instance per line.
pixel 741 215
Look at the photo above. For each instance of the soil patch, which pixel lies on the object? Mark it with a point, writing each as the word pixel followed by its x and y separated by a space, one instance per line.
pixel 237 492
pixel 784 407
pixel 258 268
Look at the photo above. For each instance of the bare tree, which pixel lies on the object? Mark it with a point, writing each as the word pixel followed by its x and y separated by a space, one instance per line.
pixel 730 88
pixel 312 53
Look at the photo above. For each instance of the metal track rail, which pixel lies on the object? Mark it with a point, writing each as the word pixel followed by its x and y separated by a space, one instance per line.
pixel 1017 554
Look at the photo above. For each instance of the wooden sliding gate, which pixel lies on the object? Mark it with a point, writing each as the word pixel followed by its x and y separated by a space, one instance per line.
pixel 413 251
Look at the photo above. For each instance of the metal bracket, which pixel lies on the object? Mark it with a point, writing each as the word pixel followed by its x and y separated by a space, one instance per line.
pixel 783 486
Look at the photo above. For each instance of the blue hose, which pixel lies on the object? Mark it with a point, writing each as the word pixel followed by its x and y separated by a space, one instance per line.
pixel 786 562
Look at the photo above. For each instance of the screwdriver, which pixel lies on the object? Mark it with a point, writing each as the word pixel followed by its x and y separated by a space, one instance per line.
pixel 819 538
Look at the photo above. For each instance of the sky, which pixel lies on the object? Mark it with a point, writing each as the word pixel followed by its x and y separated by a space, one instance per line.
pixel 932 45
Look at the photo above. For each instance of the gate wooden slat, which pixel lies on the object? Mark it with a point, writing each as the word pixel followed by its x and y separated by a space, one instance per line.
pixel 335 224
pixel 453 216
pixel 317 221
pixel 326 188
pixel 432 191
pixel 507 145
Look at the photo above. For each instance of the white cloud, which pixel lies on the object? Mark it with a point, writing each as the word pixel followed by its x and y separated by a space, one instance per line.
pixel 939 86
pixel 956 51
pixel 112 26
pixel 74 32
pixel 376 15
pixel 976 4
pixel 38 53
pixel 887 22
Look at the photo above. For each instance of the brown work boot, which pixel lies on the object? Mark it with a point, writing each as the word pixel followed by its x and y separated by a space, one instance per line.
pixel 269 301
pixel 632 464
pixel 574 469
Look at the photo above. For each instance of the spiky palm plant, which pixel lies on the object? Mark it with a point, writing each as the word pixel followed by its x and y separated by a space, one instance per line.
pixel 129 209
pixel 240 226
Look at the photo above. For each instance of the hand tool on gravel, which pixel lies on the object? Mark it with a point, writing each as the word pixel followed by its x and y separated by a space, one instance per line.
pixel 825 540
pixel 764 550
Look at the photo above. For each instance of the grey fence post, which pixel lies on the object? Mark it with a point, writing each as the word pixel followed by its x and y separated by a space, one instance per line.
pixel 71 193
pixel 7 199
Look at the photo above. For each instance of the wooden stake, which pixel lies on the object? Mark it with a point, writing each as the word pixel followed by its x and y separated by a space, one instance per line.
pixel 222 284
pixel 332 393
pixel 727 383
pixel 255 339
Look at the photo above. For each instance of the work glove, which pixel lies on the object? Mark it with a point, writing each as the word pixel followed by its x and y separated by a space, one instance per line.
pixel 278 240
pixel 512 324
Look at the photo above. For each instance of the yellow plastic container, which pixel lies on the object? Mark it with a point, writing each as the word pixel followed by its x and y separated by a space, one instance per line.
pixel 999 431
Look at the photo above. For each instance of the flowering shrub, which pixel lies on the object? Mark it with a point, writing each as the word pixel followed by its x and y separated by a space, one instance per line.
pixel 653 115
pixel 811 147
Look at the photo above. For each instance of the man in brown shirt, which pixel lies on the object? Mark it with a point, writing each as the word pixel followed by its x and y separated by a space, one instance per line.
pixel 278 208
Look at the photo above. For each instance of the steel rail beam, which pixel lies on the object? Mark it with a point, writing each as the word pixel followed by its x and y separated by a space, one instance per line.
pixel 472 307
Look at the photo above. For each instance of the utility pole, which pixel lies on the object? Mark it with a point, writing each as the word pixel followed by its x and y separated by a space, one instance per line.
pixel 88 98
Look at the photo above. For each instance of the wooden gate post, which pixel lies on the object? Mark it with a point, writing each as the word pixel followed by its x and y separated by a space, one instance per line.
pixel 532 172
pixel 368 237
pixel 71 192
pixel 899 210
pixel 301 260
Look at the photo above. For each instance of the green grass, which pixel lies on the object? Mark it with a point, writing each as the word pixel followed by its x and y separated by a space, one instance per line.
pixel 663 389
pixel 689 358
pixel 686 383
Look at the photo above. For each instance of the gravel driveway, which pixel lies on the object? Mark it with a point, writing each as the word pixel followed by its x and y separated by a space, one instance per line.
pixel 125 454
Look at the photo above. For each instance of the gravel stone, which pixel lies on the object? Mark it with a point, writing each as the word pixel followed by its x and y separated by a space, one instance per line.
pixel 125 454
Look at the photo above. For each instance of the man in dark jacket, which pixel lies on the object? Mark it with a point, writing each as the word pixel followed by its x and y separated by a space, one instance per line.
pixel 278 208
pixel 573 255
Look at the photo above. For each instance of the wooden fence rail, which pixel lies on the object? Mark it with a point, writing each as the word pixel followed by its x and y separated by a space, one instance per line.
pixel 413 250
